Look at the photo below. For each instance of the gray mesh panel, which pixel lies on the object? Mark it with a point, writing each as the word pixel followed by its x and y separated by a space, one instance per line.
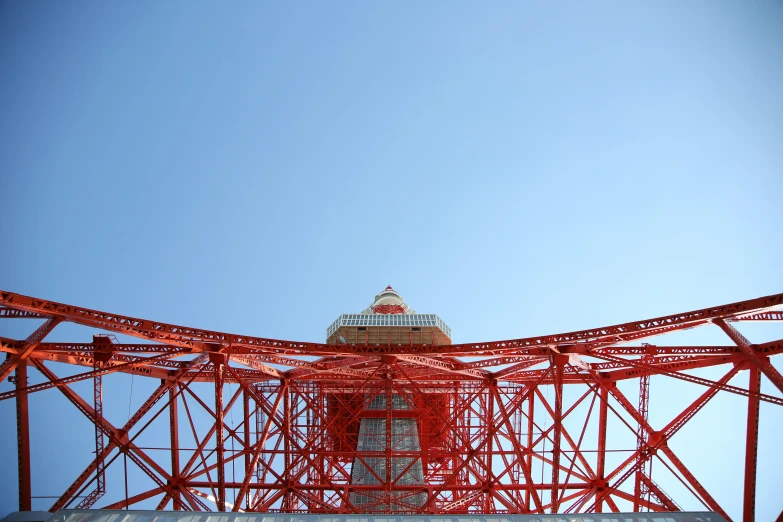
pixel 371 470
pixel 379 402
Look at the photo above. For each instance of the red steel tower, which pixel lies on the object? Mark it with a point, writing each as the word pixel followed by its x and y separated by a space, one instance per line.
pixel 389 416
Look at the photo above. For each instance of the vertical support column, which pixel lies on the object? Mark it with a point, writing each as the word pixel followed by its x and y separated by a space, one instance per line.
pixel 100 470
pixel 601 466
pixel 17 360
pixel 174 432
pixel 751 446
pixel 218 360
pixel 388 444
pixel 100 356
pixel 640 489
pixel 458 427
pixel 246 415
pixel 490 430
pixel 287 496
pixel 558 362
pixel 23 438
pixel 321 437
pixel 529 457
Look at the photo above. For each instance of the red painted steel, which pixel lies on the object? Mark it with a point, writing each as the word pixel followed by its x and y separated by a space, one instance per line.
pixel 388 309
pixel 751 447
pixel 641 489
pixel 518 427
pixel 23 438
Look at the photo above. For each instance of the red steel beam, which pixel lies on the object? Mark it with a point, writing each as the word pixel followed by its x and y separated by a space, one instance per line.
pixel 587 475
pixel 148 465
pixel 126 503
pixel 524 460
pixel 557 420
pixel 82 376
pixel 199 339
pixel 100 464
pixel 10 313
pixel 30 344
pixel 751 447
pixel 221 492
pixel 762 363
pixel 601 465
pixel 516 401
pixel 476 464
pixel 23 439
pixel 667 503
pixel 174 439
pixel 697 380
pixel 244 488
pixel 66 497
pixel 247 451
pixel 771 315
pixel 685 472
pixel 659 439
pixel 640 485
pixel 79 359
pixel 529 457
pixel 643 502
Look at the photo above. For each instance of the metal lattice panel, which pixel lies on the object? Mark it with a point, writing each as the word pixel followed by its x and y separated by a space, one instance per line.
pixel 499 427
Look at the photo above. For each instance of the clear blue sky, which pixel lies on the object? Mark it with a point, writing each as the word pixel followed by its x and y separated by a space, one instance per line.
pixel 517 168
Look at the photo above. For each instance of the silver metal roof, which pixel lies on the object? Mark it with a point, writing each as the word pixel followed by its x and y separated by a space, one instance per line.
pixel 402 320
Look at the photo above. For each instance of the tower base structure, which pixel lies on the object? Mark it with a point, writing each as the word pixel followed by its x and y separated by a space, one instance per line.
pixel 491 431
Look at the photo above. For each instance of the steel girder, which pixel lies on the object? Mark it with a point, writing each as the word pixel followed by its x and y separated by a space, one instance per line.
pixel 494 438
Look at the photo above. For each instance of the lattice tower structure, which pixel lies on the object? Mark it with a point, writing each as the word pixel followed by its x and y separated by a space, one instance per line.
pixel 389 421
pixel 529 425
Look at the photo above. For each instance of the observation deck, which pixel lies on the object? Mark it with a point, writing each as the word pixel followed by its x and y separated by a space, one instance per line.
pixel 389 320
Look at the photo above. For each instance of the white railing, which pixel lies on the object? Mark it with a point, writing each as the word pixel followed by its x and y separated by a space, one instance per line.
pixel 402 320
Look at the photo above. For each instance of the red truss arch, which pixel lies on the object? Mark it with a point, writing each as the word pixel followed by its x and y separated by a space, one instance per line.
pixel 503 427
